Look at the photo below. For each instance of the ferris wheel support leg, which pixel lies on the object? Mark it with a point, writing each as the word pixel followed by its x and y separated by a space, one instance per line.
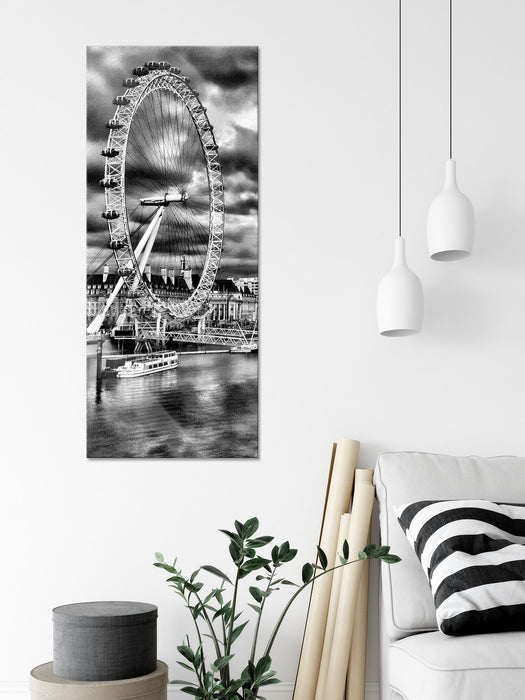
pixel 97 322
pixel 149 235
pixel 149 239
pixel 152 229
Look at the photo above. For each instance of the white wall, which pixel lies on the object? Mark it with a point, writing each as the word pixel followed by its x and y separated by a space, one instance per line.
pixel 75 530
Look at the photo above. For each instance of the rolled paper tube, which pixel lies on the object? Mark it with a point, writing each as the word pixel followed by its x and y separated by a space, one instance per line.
pixel 342 640
pixel 364 475
pixel 356 679
pixel 337 503
pixel 332 611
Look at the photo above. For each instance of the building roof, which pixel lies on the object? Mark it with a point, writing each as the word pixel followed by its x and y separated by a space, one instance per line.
pixel 221 286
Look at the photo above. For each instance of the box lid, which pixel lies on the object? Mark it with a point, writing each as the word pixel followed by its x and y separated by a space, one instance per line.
pixel 105 613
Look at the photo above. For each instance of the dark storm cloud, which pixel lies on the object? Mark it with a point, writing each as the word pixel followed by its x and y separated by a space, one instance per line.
pixel 241 153
pixel 227 67
pixel 226 79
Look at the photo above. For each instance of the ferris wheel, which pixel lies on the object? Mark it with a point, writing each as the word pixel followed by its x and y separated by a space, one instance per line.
pixel 164 196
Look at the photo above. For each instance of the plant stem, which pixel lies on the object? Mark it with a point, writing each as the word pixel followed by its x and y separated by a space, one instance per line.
pixel 212 631
pixel 197 628
pixel 287 606
pixel 256 633
pixel 232 620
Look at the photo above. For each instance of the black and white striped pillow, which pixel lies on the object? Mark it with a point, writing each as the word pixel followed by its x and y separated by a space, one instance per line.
pixel 473 554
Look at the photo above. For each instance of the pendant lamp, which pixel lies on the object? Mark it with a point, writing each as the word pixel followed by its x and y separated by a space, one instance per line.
pixel 450 222
pixel 400 294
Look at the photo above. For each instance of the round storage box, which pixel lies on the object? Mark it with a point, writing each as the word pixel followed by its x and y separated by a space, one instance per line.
pixel 104 641
pixel 44 685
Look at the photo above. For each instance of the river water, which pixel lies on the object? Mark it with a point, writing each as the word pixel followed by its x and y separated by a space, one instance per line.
pixel 206 407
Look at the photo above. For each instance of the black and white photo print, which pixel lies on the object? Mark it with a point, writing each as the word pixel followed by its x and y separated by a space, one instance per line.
pixel 172 291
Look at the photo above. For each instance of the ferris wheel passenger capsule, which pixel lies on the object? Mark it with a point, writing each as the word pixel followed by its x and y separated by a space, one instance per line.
pixel 130 82
pixel 110 214
pixel 126 272
pixel 140 71
pixel 164 65
pixel 109 183
pixel 152 65
pixel 109 152
pixel 121 100
pixel 175 71
pixel 117 245
pixel 113 124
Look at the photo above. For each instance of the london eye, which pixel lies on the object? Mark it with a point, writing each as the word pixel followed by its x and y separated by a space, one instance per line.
pixel 164 197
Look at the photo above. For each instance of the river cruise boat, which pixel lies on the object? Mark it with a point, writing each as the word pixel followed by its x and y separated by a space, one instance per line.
pixel 245 347
pixel 157 362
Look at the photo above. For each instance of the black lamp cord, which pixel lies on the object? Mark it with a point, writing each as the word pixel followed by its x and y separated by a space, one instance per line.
pixel 450 75
pixel 399 119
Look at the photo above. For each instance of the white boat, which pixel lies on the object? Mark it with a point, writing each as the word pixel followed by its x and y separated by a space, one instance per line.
pixel 158 362
pixel 248 347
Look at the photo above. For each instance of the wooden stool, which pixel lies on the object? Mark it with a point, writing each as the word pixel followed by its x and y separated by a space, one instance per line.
pixel 44 685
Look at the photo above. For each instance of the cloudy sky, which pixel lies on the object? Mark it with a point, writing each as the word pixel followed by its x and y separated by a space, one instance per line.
pixel 226 79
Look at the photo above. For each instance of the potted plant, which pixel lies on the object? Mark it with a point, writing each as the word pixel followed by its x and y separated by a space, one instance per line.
pixel 216 616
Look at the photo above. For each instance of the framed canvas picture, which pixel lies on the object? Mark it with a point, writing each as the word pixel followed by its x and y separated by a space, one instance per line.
pixel 172 286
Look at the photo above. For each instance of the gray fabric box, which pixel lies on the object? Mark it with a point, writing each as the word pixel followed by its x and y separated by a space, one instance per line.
pixel 104 641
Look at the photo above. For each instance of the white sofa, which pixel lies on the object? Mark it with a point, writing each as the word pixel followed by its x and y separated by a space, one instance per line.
pixel 418 662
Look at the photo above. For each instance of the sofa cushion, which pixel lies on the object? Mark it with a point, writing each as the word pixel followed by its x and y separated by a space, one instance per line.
pixel 477 667
pixel 402 477
pixel 473 554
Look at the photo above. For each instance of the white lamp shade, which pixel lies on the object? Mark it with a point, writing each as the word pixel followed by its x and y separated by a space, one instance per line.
pixel 450 223
pixel 399 298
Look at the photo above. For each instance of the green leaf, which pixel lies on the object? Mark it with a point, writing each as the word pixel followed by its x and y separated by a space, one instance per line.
pixel 166 567
pixel 260 541
pixel 270 681
pixel 263 666
pixel 323 560
pixel 362 556
pixel 390 558
pixel 222 611
pixel 188 668
pixel 234 537
pixel 186 652
pixel 217 572
pixel 254 564
pixel 159 557
pixel 369 549
pixel 222 661
pixel 250 527
pixel 346 549
pixel 285 582
pixel 179 682
pixel 380 551
pixel 240 529
pixel 235 553
pixel 196 692
pixel 342 560
pixel 307 572
pixel 236 632
pixel 285 547
pixel 289 555
pixel 256 593
pixel 257 608
pixel 275 554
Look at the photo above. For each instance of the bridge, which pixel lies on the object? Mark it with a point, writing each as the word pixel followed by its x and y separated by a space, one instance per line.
pixel 151 331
